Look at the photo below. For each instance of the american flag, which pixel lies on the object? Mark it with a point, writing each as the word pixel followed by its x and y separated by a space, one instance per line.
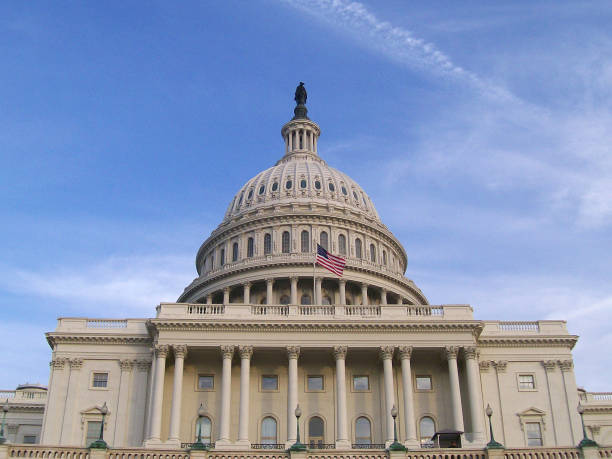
pixel 330 262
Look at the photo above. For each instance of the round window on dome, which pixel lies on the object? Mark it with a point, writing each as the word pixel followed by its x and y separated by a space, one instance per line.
pixel 317 185
pixel 289 184
pixel 275 186
pixel 250 194
pixel 344 192
pixel 331 186
pixel 262 189
pixel 303 183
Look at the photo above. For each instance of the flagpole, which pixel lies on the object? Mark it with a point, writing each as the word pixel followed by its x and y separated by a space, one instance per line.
pixel 314 286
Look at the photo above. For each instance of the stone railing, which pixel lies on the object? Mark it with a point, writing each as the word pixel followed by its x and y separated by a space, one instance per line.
pixel 542 453
pixel 107 323
pixel 519 326
pixel 597 397
pixel 16 396
pixel 45 452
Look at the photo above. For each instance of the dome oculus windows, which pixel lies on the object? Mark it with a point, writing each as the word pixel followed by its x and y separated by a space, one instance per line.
pixel 331 187
pixel 275 186
pixel 355 196
pixel 317 185
pixel 288 185
pixel 344 192
pixel 262 189
pixel 303 183
pixel 250 194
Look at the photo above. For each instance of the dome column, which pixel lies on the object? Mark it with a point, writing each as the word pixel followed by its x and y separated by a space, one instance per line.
pixel 318 297
pixel 246 295
pixel 269 291
pixel 383 296
pixel 342 289
pixel 226 295
pixel 364 295
pixel 294 292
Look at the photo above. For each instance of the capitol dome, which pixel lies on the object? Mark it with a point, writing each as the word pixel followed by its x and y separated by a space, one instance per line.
pixel 263 250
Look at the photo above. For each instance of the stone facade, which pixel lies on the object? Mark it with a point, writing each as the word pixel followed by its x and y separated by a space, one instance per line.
pixel 24 416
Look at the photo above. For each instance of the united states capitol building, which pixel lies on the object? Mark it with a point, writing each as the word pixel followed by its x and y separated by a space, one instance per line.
pixel 256 334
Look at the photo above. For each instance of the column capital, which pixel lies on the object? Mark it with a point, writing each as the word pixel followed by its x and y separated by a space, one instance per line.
pixel 294 278
pixel 269 280
pixel 484 365
pixel 180 350
pixel 451 352
pixel 227 351
pixel 342 281
pixel 566 365
pixel 75 364
pixel 500 365
pixel 549 365
pixel 471 352
pixel 245 351
pixel 143 365
pixel 340 352
pixel 126 364
pixel 247 284
pixel 161 350
pixel 386 352
pixel 293 352
pixel 364 285
pixel 405 352
pixel 58 363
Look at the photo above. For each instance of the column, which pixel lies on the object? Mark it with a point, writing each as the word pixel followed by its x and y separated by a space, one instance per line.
pixel 399 299
pixel 342 289
pixel 180 352
pixel 342 440
pixel 226 292
pixel 475 395
pixel 246 295
pixel 293 352
pixel 291 141
pixel 226 387
pixel 294 292
pixel 120 434
pixel 453 376
pixel 383 296
pixel 269 284
pixel 364 295
pixel 386 355
pixel 209 299
pixel 409 422
pixel 161 351
pixel 245 372
pixel 318 297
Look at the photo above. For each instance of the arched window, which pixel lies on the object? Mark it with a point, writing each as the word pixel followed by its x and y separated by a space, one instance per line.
pixel 285 299
pixel 206 429
pixel 250 247
pixel 358 248
pixel 268 431
pixel 305 242
pixel 267 244
pixel 222 257
pixel 286 242
pixel 235 252
pixel 427 428
pixel 324 240
pixel 316 435
pixel 363 431
pixel 372 253
pixel 342 244
pixel 326 300
pixel 305 299
pixel 385 257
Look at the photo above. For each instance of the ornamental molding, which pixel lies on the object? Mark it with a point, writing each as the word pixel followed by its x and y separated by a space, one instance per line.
pixel 227 351
pixel 451 352
pixel 340 352
pixel 566 365
pixel 126 364
pixel 549 365
pixel 595 428
pixel 532 415
pixel 246 352
pixel 161 350
pixel 470 352
pixel 293 352
pixel 29 407
pixel 405 352
pixel 500 365
pixel 143 365
pixel 76 363
pixel 179 350
pixel 58 363
pixel 484 365
pixel 53 339
pixel 386 352
pixel 597 408
pixel 568 341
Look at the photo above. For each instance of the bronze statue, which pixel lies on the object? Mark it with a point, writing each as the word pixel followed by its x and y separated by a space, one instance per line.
pixel 300 94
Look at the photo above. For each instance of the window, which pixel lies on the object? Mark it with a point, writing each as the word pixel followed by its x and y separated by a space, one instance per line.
pixel 285 299
pixel 372 253
pixel 222 257
pixel 324 240
pixel 100 380
pixel 288 184
pixel 303 183
pixel 344 192
pixel 342 244
pixel 358 248
pixel 250 195
pixel 286 242
pixel 316 432
pixel 326 300
pixel 331 186
pixel 269 382
pixel 534 433
pixel 268 431
pixel 305 242
pixel 305 299
pixel 317 185
pixel 29 439
pixel 356 197
pixel 275 186
pixel 262 189
pixel 206 382
pixel 427 429
pixel 314 383
pixel 385 257
pixel 235 252
pixel 526 382
pixel 205 429
pixel 250 247
pixel 363 431
pixel 93 432
pixel 240 200
pixel 423 382
pixel 267 244
pixel 361 383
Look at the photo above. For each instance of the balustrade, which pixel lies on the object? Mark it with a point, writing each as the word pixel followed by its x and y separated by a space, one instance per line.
pixel 519 326
pixel 106 323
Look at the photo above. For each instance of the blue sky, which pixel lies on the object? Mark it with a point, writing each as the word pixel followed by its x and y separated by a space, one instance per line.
pixel 480 129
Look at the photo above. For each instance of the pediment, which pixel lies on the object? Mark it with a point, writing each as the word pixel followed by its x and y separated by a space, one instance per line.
pixel 533 411
pixel 93 410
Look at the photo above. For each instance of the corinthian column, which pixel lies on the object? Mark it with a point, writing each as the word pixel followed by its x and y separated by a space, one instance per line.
pixel 293 352
pixel 342 289
pixel 180 351
pixel 453 376
pixel 226 392
pixel 409 424
pixel 294 292
pixel 245 369
pixel 161 351
pixel 386 355
pixel 475 394
pixel 342 440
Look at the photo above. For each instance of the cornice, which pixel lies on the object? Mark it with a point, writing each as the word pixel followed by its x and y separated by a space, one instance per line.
pixel 597 408
pixel 528 341
pixel 62 338
pixel 30 407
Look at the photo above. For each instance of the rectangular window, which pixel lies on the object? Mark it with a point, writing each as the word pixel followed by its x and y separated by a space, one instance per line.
pixel 423 382
pixel 534 434
pixel 100 380
pixel 93 432
pixel 315 383
pixel 526 382
pixel 269 382
pixel 29 439
pixel 206 382
pixel 361 383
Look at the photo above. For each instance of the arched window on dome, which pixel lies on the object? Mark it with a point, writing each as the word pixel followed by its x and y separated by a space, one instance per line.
pixel 286 242
pixel 305 299
pixel 235 251
pixel 372 253
pixel 427 429
pixel 324 240
pixel 250 247
pixel 363 431
pixel 385 257
pixel 267 244
pixel 305 242
pixel 204 427
pixel 268 431
pixel 342 244
pixel 222 257
pixel 358 253
pixel 331 186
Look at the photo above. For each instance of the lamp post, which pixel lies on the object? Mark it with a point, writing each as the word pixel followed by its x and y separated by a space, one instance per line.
pixel 586 441
pixel 492 444
pixel 298 446
pixel 100 443
pixel 5 409
pixel 198 444
pixel 395 446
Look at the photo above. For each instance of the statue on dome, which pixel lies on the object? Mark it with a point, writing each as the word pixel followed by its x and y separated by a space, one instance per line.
pixel 300 94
